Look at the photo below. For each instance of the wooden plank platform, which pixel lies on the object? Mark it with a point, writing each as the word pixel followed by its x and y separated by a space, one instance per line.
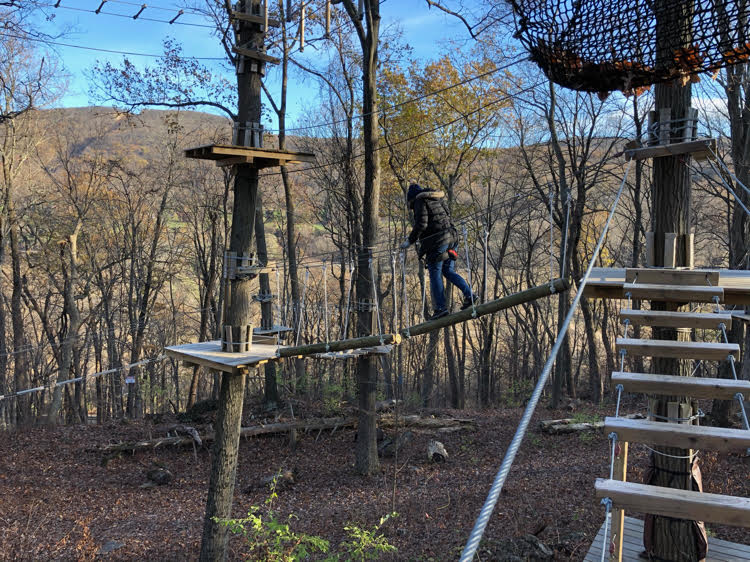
pixel 607 283
pixel 670 502
pixel 671 385
pixel 699 149
pixel 664 276
pixel 209 354
pixel 673 293
pixel 679 435
pixel 706 320
pixel 259 157
pixel 708 351
pixel 718 550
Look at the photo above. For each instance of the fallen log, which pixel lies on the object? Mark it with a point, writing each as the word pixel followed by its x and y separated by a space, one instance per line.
pixel 570 425
pixel 318 424
pixel 282 427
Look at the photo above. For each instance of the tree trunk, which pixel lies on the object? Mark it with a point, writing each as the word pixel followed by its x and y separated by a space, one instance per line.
pixel 671 194
pixel 368 32
pixel 271 391
pixel 21 367
pixel 239 309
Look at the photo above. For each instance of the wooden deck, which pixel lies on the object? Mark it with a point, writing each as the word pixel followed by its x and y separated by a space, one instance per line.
pixel 606 282
pixel 209 354
pixel 718 550
pixel 227 155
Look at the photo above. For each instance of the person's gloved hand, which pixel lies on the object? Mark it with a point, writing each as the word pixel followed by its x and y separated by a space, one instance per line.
pixel 405 244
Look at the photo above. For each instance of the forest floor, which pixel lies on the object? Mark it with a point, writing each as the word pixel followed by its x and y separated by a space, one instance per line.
pixel 57 500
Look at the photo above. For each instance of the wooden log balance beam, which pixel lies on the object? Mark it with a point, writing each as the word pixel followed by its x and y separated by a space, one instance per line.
pixel 538 292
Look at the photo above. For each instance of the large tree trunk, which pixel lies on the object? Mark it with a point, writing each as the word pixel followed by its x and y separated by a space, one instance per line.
pixel 671 194
pixel 239 309
pixel 367 375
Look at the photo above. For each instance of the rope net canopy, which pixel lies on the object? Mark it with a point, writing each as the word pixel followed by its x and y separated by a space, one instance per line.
pixel 606 45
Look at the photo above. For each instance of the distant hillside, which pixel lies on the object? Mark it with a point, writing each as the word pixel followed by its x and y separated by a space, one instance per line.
pixel 101 128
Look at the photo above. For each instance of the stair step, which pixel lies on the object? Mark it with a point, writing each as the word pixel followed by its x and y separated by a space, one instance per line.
pixel 684 436
pixel 680 504
pixel 678 349
pixel 673 293
pixel 663 319
pixel 670 385
pixel 662 276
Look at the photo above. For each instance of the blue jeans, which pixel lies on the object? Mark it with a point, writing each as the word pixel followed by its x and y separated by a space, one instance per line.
pixel 445 268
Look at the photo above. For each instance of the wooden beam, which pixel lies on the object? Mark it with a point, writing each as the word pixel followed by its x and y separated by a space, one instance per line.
pixel 255 19
pixel 256 55
pixel 673 293
pixel 680 504
pixel 683 436
pixel 618 515
pixel 679 349
pixel 540 291
pixel 340 345
pixel 698 149
pixel 663 319
pixel 672 385
pixel 661 276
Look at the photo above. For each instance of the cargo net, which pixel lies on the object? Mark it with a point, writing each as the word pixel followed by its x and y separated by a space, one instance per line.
pixel 606 45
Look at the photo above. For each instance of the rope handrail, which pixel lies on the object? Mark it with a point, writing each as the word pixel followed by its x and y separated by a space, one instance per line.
pixel 489 505
pixel 79 379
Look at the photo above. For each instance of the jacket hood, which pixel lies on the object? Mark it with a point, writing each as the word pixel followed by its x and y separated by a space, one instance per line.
pixel 428 194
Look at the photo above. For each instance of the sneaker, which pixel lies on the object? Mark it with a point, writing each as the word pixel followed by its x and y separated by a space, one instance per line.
pixel 439 314
pixel 470 301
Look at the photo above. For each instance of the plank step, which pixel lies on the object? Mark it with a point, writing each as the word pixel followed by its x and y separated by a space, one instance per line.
pixel 664 276
pixel 680 504
pixel 678 349
pixel 664 319
pixel 673 293
pixel 684 436
pixel 671 385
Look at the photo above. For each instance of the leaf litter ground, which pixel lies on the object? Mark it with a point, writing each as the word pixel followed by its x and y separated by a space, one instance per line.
pixel 59 502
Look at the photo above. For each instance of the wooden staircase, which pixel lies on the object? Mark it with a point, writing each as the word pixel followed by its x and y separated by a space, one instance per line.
pixel 676 286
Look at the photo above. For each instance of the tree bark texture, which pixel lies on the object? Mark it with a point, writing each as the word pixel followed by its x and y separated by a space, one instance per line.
pixel 239 309
pixel 671 198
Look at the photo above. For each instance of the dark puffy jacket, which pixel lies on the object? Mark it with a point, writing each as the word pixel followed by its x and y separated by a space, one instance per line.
pixel 432 225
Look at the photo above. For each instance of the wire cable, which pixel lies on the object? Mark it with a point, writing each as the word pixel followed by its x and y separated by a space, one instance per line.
pixel 484 517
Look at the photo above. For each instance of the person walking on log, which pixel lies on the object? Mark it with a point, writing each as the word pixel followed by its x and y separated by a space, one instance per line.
pixel 438 241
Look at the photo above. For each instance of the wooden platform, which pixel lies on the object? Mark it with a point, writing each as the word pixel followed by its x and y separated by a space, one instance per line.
pixel 718 550
pixel 209 354
pixel 699 149
pixel 228 155
pixel 606 282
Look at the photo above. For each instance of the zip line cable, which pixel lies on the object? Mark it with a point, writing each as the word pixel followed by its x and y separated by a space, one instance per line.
pixel 484 517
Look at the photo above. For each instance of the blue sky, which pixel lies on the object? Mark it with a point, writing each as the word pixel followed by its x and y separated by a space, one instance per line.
pixel 424 30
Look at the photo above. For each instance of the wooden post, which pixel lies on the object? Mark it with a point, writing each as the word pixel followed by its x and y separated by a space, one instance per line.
pixel 618 515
